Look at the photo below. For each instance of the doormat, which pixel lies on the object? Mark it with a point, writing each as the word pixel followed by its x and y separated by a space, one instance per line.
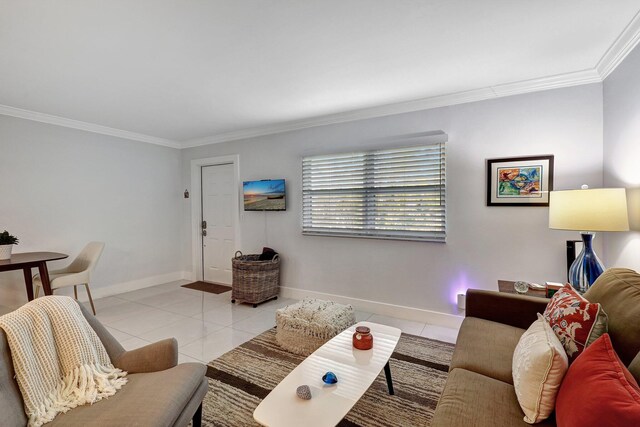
pixel 213 288
pixel 241 378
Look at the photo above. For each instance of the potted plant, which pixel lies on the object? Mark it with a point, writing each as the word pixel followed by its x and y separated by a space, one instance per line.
pixel 6 243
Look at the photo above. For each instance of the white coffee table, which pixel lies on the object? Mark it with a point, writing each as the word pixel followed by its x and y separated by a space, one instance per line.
pixel 355 370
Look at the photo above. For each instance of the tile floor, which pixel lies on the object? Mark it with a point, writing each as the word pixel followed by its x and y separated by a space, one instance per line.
pixel 208 325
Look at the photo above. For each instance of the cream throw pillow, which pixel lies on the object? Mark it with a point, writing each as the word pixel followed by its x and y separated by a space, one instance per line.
pixel 539 365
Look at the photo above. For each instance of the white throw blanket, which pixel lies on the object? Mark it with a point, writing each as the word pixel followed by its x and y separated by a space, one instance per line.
pixel 60 362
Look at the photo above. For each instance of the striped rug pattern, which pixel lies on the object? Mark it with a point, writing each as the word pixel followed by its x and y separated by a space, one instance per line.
pixel 241 378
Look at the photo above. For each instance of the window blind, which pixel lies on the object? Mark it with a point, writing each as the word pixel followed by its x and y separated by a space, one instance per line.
pixel 396 193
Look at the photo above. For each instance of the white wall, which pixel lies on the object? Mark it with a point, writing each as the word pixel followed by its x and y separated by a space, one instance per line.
pixel 622 155
pixel 484 243
pixel 61 188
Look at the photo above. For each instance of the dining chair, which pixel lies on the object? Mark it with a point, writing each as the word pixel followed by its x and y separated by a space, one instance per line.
pixel 75 274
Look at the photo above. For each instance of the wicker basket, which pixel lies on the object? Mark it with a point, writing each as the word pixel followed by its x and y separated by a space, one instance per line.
pixel 254 281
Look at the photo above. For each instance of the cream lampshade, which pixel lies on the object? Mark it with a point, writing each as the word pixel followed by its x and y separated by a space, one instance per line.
pixel 588 210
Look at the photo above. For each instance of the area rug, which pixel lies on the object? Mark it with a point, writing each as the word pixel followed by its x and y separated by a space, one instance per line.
pixel 213 288
pixel 241 378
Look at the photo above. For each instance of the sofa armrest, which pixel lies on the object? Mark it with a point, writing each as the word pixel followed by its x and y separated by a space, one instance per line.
pixel 634 367
pixel 510 309
pixel 150 358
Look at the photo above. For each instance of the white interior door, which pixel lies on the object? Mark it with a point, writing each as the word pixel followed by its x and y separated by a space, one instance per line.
pixel 219 205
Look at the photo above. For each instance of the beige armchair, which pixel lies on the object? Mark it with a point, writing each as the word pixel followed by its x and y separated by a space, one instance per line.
pixel 77 273
pixel 159 391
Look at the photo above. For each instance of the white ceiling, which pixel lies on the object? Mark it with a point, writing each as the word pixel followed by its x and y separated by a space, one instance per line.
pixel 184 70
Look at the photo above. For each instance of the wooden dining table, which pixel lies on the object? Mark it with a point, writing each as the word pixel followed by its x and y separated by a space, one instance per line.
pixel 26 261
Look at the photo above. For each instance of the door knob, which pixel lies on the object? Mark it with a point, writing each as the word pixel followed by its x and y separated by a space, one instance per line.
pixel 204 232
pixel 204 224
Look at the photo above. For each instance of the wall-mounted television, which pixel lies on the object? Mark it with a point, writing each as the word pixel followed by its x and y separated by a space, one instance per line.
pixel 264 195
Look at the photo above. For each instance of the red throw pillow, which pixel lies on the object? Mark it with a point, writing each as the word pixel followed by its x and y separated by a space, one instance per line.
pixel 598 390
pixel 575 321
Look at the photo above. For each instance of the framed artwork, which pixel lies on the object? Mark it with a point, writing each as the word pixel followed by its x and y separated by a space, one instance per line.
pixel 519 181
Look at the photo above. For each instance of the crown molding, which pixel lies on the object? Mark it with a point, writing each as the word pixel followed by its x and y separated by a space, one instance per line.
pixel 616 53
pixel 492 92
pixel 575 78
pixel 620 48
pixel 85 126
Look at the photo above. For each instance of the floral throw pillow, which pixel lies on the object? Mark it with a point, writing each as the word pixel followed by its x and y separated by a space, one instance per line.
pixel 575 321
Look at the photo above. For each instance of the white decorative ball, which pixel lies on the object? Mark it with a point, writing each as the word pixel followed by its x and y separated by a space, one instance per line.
pixel 304 392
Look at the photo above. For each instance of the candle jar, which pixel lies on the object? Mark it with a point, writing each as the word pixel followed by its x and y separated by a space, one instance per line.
pixel 362 338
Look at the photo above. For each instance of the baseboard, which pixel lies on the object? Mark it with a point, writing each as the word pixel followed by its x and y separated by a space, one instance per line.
pixel 133 285
pixel 385 309
pixel 188 275
pixel 13 297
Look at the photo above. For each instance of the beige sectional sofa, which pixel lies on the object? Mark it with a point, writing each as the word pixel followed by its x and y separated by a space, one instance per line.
pixel 479 390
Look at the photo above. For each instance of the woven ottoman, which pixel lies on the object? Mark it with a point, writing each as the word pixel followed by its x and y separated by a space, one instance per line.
pixel 304 326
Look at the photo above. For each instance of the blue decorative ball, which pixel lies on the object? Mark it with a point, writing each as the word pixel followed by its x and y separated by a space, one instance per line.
pixel 329 378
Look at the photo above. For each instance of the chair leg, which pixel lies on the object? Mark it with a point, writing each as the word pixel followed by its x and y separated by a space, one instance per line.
pixel 75 292
pixel 38 291
pixel 93 308
pixel 197 417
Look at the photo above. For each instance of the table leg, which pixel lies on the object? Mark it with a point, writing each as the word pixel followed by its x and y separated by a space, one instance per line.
pixel 44 277
pixel 387 374
pixel 28 281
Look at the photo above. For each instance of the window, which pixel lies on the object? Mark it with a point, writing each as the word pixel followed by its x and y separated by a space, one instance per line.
pixel 397 193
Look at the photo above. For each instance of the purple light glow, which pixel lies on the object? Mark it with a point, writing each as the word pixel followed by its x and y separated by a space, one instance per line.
pixel 459 286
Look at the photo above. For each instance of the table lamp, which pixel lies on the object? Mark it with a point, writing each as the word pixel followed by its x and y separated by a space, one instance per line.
pixel 588 210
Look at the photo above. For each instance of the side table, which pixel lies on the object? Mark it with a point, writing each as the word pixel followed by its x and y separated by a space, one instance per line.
pixel 507 287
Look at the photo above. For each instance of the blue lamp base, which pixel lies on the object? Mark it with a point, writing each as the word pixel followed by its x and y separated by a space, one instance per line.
pixel 587 266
